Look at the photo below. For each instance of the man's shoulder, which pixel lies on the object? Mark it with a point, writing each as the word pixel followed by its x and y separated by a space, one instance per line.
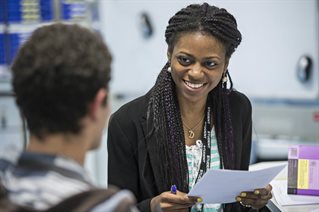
pixel 98 200
pixel 8 159
pixel 41 180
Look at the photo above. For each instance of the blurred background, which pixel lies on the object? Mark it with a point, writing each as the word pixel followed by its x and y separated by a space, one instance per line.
pixel 276 65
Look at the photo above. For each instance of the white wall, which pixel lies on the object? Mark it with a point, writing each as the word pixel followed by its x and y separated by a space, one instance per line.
pixel 275 34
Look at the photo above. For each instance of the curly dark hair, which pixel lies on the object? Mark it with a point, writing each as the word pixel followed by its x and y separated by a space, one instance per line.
pixel 56 73
pixel 164 123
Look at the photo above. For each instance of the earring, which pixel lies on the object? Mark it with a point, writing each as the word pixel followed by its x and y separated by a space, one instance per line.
pixel 225 78
pixel 169 69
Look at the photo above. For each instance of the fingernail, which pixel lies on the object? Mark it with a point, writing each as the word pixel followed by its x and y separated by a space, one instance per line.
pixel 256 192
pixel 199 199
pixel 238 199
pixel 243 194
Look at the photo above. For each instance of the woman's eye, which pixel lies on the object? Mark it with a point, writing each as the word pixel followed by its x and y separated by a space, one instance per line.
pixel 185 61
pixel 210 64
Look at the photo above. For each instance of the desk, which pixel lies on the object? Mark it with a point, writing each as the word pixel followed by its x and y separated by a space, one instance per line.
pixel 273 205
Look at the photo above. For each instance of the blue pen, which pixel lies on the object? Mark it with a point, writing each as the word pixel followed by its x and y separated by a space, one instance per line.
pixel 173 189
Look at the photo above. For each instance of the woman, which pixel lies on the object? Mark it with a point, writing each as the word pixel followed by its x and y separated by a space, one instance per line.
pixel 158 140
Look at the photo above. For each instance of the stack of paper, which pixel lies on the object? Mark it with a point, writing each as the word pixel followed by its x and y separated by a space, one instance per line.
pixel 284 199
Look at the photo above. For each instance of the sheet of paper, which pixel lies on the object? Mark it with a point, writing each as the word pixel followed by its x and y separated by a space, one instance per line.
pixel 284 199
pixel 222 186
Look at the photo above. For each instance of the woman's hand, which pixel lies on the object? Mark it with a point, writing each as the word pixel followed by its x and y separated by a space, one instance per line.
pixel 257 199
pixel 172 202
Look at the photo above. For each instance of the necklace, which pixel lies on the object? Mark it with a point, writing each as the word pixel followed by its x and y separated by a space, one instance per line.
pixel 191 133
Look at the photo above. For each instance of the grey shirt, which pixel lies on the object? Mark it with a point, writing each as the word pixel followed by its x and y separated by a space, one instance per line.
pixel 41 181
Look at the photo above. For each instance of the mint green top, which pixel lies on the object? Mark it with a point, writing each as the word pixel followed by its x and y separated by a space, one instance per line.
pixel 193 156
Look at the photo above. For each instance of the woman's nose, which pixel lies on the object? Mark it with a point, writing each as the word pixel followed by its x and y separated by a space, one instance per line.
pixel 196 71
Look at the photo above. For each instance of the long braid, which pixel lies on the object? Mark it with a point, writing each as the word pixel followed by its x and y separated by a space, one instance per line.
pixel 223 123
pixel 164 123
pixel 156 129
pixel 217 118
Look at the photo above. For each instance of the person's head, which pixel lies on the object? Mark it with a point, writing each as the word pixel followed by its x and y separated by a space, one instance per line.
pixel 201 40
pixel 60 76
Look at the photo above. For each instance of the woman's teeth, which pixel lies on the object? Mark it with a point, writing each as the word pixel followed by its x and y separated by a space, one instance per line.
pixel 193 85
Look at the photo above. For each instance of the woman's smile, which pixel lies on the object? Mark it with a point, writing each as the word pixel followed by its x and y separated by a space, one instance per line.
pixel 194 86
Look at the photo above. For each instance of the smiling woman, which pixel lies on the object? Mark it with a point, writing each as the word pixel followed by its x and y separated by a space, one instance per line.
pixel 189 122
pixel 198 62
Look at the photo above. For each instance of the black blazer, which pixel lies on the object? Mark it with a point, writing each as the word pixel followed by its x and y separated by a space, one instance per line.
pixel 129 164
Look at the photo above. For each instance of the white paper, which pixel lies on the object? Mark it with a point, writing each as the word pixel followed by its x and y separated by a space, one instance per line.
pixel 222 186
pixel 284 199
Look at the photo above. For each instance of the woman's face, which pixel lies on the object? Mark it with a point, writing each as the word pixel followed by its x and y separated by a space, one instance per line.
pixel 198 62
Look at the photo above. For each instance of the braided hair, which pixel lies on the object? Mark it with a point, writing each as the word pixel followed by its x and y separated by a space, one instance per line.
pixel 164 123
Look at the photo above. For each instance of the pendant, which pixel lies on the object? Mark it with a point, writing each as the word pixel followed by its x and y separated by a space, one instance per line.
pixel 191 134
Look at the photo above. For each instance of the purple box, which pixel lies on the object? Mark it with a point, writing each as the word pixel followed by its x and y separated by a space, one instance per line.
pixel 303 169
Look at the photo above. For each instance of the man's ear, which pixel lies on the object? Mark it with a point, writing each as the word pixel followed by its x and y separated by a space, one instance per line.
pixel 168 56
pixel 98 102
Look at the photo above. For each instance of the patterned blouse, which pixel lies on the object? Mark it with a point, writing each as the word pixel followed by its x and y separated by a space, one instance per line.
pixel 193 155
